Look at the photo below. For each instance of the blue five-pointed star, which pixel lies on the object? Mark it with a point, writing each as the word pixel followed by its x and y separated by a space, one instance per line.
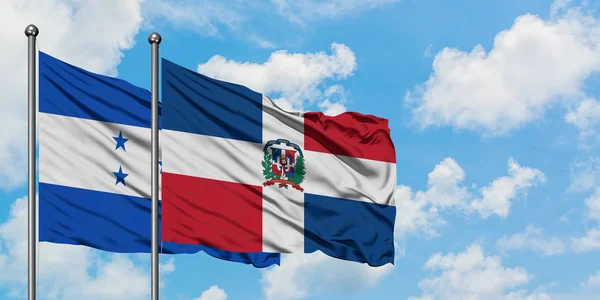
pixel 120 176
pixel 120 141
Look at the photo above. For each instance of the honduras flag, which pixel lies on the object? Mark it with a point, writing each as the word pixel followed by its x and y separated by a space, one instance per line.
pixel 94 165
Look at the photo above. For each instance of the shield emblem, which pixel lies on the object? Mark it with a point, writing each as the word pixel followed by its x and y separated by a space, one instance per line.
pixel 283 162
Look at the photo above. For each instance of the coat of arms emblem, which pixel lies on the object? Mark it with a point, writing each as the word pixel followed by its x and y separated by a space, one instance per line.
pixel 283 164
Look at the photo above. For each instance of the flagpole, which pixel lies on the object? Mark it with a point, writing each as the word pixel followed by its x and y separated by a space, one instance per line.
pixel 31 32
pixel 154 39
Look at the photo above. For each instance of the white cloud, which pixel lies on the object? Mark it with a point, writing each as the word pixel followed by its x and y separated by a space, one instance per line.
pixel 304 274
pixel 420 211
pixel 534 240
pixel 559 6
pixel 216 18
pixel 262 43
pixel 334 100
pixel 168 266
pixel 331 109
pixel 593 282
pixel 472 275
pixel 496 196
pixel 90 275
pixel 201 16
pixel 585 175
pixel 302 11
pixel 531 66
pixel 586 116
pixel 444 188
pixel 69 30
pixel 213 293
pixel 415 214
pixel 589 242
pixel 524 295
pixel 294 77
pixel 592 204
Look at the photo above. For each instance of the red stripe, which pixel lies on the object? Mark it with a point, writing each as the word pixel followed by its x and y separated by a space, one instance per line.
pixel 349 134
pixel 213 213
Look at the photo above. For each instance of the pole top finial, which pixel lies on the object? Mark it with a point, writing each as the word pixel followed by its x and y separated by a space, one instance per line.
pixel 154 38
pixel 31 30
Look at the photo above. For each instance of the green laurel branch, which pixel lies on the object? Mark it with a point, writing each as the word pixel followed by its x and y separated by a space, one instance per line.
pixel 266 163
pixel 299 171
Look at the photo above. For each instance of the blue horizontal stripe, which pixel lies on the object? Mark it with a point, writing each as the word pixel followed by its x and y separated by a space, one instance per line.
pixel 349 230
pixel 70 91
pixel 115 223
pixel 197 104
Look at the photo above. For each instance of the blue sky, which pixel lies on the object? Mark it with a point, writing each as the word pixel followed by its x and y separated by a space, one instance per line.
pixel 493 109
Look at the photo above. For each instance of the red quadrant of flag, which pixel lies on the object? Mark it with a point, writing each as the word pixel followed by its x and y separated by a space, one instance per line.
pixel 226 216
pixel 349 134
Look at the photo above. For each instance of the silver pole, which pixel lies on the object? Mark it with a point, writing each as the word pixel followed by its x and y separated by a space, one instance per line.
pixel 154 40
pixel 31 32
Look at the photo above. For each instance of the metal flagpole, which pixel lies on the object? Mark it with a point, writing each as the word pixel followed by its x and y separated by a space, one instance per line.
pixel 31 32
pixel 154 39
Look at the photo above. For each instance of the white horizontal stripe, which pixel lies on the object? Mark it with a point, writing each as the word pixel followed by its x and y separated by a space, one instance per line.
pixel 349 178
pixel 211 157
pixel 81 153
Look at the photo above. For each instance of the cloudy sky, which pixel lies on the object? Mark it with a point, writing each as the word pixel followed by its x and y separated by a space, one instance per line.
pixel 494 109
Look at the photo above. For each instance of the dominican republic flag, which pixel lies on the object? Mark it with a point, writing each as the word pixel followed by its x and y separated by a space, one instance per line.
pixel 94 165
pixel 241 174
